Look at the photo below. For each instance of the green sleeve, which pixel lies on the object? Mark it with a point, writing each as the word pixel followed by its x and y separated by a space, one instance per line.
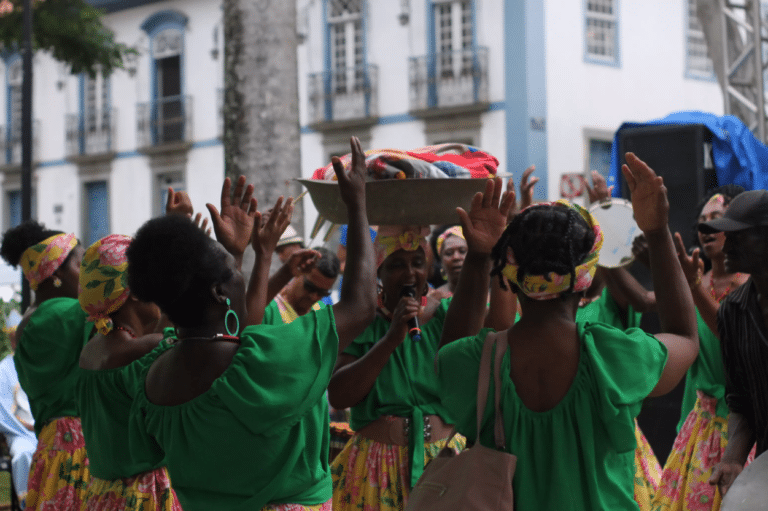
pixel 626 365
pixel 280 371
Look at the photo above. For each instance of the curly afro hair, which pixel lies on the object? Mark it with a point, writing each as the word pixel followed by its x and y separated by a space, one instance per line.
pixel 18 239
pixel 174 264
pixel 545 238
pixel 328 263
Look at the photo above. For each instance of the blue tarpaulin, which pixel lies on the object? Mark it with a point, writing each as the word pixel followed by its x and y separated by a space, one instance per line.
pixel 738 156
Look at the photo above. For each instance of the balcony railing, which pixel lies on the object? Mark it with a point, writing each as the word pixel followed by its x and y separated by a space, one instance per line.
pixel 91 135
pixel 342 95
pixel 164 121
pixel 10 143
pixel 449 79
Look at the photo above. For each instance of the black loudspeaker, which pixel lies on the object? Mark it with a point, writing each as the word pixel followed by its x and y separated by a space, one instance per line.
pixel 681 154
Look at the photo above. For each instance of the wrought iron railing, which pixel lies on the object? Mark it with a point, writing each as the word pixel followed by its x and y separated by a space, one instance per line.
pixel 10 143
pixel 447 79
pixel 164 121
pixel 91 134
pixel 344 94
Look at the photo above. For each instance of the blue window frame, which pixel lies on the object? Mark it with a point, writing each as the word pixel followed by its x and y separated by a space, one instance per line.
pixel 96 211
pixel 95 119
pixel 601 32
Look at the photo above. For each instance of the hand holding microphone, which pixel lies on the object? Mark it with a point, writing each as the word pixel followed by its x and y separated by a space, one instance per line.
pixel 413 323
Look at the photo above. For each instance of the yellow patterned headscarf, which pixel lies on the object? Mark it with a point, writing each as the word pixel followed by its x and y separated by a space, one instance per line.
pixel 39 261
pixel 452 231
pixel 392 238
pixel 103 288
pixel 547 287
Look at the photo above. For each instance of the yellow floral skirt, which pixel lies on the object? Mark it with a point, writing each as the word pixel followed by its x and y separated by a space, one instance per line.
pixel 327 506
pixel 647 471
pixel 149 491
pixel 59 473
pixel 697 449
pixel 369 475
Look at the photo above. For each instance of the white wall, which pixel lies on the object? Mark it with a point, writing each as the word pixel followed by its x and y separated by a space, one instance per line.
pixel 649 82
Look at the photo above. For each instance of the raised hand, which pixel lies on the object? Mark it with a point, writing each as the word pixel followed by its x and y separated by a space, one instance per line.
pixel 599 190
pixel 178 203
pixel 352 183
pixel 487 217
pixel 302 261
pixel 692 265
pixel 234 225
pixel 265 237
pixel 649 195
pixel 640 250
pixel 204 226
pixel 526 188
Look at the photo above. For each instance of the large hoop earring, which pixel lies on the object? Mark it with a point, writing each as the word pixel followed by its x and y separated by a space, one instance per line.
pixel 231 314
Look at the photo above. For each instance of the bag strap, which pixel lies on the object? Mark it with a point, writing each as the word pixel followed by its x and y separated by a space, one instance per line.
pixel 483 382
pixel 498 431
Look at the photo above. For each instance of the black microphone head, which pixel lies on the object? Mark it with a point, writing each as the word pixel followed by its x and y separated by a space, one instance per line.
pixel 408 291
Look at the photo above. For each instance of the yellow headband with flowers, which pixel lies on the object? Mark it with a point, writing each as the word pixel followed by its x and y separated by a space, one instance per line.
pixel 452 231
pixel 103 288
pixel 39 261
pixel 547 287
pixel 392 238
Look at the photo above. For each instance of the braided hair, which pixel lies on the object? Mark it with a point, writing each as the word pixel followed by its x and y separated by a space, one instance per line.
pixel 544 238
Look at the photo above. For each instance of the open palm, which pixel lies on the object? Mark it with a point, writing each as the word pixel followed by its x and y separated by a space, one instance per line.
pixel 487 217
pixel 234 224
pixel 649 195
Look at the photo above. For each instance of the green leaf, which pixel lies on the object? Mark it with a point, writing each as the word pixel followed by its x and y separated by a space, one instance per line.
pixel 108 271
pixel 93 284
pixel 109 286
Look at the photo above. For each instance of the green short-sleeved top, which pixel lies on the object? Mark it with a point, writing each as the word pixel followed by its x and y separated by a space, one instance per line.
pixel 580 454
pixel 407 386
pixel 605 310
pixel 256 436
pixel 706 374
pixel 48 355
pixel 104 401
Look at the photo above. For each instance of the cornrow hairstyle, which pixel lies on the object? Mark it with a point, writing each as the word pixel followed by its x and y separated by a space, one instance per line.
pixel 328 264
pixel 729 192
pixel 544 238
pixel 174 264
pixel 18 239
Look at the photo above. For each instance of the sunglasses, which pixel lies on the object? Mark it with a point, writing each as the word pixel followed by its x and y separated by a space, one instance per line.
pixel 311 288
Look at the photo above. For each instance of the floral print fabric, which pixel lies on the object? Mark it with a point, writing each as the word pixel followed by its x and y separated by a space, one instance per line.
pixel 326 506
pixel 59 473
pixel 369 475
pixel 647 471
pixel 149 491
pixel 697 449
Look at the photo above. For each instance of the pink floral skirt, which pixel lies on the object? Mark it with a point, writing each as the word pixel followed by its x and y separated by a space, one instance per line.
pixel 697 449
pixel 59 473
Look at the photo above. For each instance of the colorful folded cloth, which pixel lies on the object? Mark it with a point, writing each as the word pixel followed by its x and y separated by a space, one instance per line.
pixel 437 161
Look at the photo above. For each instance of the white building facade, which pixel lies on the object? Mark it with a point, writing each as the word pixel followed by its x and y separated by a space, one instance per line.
pixel 544 82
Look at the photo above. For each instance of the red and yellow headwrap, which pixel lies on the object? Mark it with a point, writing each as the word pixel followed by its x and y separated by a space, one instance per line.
pixel 39 261
pixel 452 231
pixel 392 238
pixel 547 287
pixel 103 288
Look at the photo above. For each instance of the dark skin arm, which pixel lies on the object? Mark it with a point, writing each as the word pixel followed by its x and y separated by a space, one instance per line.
pixel 675 304
pixel 482 226
pixel 626 290
pixel 264 240
pixel 234 224
pixel 693 267
pixel 357 304
pixel 741 438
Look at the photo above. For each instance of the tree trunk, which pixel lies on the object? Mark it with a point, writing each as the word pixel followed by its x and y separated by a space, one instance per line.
pixel 261 100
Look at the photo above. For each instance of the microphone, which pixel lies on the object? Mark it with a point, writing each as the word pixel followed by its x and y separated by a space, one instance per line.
pixel 413 323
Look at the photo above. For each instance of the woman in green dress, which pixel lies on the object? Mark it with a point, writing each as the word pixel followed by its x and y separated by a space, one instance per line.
pixel 571 391
pixel 50 337
pixel 240 414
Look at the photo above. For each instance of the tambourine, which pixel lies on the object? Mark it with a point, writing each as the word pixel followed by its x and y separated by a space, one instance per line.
pixel 617 220
pixel 749 491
